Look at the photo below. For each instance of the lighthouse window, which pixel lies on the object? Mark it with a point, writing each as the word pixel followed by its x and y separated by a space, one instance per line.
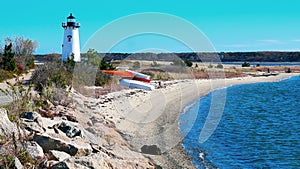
pixel 69 38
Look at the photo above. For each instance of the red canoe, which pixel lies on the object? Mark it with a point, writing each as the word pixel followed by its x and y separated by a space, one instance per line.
pixel 119 73
pixel 128 74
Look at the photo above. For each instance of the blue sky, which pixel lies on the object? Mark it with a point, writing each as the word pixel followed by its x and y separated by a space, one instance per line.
pixel 236 25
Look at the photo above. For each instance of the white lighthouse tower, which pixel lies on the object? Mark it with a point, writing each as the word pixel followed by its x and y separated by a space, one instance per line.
pixel 71 43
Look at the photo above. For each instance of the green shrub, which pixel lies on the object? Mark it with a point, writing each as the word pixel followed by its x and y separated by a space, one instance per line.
pixel 188 63
pixel 246 64
pixel 219 66
pixel 178 62
pixel 8 63
pixel 4 75
pixel 155 64
pixel 56 74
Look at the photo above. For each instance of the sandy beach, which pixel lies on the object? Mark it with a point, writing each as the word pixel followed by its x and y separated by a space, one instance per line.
pixel 147 118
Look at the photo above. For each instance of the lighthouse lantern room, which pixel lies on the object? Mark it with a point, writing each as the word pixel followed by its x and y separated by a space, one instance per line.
pixel 71 45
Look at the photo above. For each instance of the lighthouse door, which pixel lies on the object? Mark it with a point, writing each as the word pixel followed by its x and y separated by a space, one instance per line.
pixel 69 38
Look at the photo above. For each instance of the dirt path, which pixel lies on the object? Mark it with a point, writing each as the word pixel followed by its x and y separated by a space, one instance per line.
pixel 24 78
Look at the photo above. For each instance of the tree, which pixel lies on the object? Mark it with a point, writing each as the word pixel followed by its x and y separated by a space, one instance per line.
pixel 188 63
pixel 246 64
pixel 70 63
pixel 103 78
pixel 104 65
pixel 8 62
pixel 92 57
pixel 178 62
pixel 23 49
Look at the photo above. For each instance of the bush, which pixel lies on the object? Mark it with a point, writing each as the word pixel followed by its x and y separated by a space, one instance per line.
pixel 154 64
pixel 136 65
pixel 246 64
pixel 219 66
pixel 4 74
pixel 188 63
pixel 51 74
pixel 8 62
pixel 178 62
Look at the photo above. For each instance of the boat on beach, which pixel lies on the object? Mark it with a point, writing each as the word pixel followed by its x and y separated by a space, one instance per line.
pixel 136 84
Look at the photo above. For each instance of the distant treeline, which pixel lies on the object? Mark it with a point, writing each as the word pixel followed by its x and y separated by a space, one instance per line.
pixel 197 57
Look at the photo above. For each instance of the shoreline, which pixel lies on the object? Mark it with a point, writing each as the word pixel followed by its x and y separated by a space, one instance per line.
pixel 158 125
pixel 141 127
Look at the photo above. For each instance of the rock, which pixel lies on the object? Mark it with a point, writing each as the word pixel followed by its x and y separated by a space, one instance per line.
pixel 31 116
pixel 18 164
pixel 93 161
pixel 70 130
pixel 152 149
pixel 74 148
pixel 58 155
pixel 34 150
pixel 7 128
pixel 33 126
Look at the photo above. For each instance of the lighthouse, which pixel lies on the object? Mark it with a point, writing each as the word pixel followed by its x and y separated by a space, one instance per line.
pixel 71 45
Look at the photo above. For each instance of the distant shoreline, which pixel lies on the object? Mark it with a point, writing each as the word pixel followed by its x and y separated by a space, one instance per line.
pixel 259 56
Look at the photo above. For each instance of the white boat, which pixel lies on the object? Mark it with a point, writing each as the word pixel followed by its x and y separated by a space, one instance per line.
pixel 139 75
pixel 136 84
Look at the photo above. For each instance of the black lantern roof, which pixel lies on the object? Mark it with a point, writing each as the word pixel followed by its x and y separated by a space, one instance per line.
pixel 71 16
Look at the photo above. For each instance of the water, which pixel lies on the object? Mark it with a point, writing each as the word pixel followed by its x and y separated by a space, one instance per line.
pixel 264 63
pixel 260 128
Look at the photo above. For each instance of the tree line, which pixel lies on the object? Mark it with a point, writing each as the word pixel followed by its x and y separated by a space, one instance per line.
pixel 16 56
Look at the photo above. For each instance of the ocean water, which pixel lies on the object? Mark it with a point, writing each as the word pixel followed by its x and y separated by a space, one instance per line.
pixel 259 128
pixel 265 63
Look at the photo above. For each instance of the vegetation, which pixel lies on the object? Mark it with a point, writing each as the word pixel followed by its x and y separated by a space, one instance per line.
pixel 188 63
pixel 219 66
pixel 136 65
pixel 246 64
pixel 178 62
pixel 16 58
pixel 22 101
pixel 154 64
pixel 8 63
pixel 207 56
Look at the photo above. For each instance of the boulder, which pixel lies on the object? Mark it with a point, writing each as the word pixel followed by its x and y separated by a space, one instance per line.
pixel 33 126
pixel 74 148
pixel 152 150
pixel 31 116
pixel 7 128
pixel 34 150
pixel 58 155
pixel 18 164
pixel 70 130
pixel 93 161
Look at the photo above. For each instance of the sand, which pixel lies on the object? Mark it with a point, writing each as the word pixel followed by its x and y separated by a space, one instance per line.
pixel 151 117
